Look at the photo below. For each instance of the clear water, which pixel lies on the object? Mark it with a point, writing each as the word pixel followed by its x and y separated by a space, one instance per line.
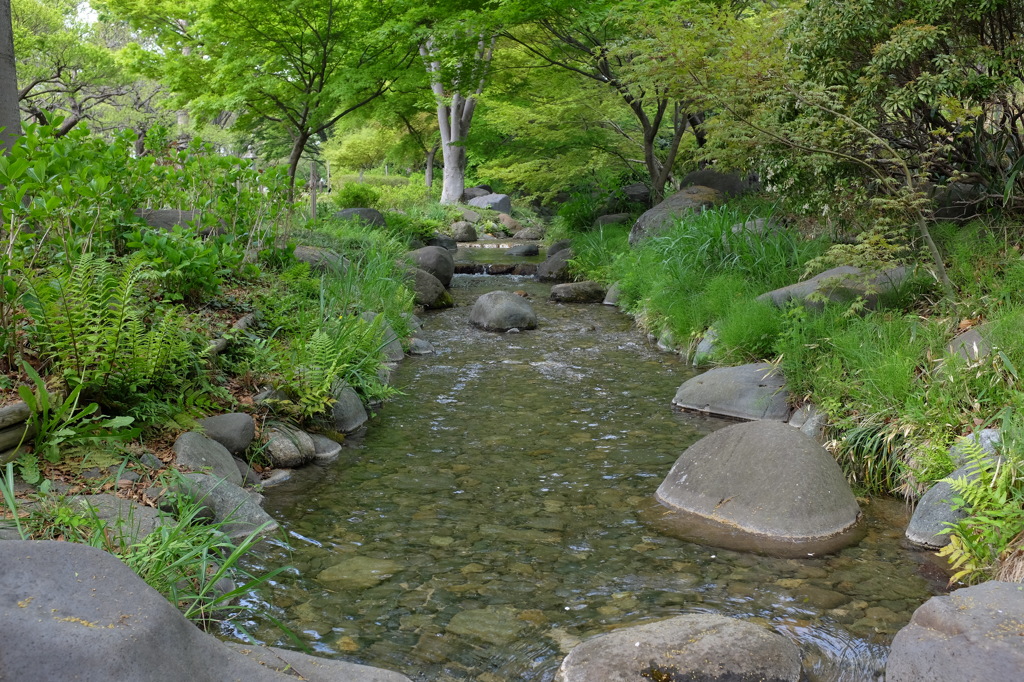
pixel 490 518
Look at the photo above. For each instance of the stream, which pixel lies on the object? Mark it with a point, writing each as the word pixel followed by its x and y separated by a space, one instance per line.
pixel 490 518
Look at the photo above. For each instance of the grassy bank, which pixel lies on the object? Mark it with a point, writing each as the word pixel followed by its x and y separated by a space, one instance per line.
pixel 895 396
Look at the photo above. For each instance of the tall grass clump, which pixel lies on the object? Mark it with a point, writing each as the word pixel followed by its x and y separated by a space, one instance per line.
pixel 701 273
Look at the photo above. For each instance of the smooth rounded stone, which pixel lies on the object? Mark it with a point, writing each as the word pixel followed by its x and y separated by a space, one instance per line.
pixel 277 477
pixel 729 184
pixel 470 216
pixel 494 625
pixel 501 203
pixel 444 241
pixel 754 391
pixel 239 510
pixel 578 292
pixel 523 250
pixel 270 395
pixel 327 450
pixel 987 439
pixel 843 284
pixel 556 267
pixel 529 233
pixel 249 477
pixel 613 295
pixel 428 291
pixel 819 597
pixel 810 420
pixel 370 216
pixel 463 231
pixel 972 634
pixel 502 311
pixel 972 345
pixel 14 413
pixel 392 345
pixel 418 346
pixel 705 349
pixel 559 246
pixel 288 447
pixel 474 192
pixel 15 436
pixel 687 201
pixel 108 624
pixel 300 666
pixel 321 260
pixel 611 219
pixel 760 486
pixel 197 452
pixel 696 647
pixel 638 193
pixel 510 224
pixel 126 519
pixel 235 431
pixel 437 261
pixel 347 413
pixel 358 572
pixel 934 512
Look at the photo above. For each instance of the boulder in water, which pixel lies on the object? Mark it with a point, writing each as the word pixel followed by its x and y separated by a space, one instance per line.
pixel 760 486
pixel 501 311
pixel 699 647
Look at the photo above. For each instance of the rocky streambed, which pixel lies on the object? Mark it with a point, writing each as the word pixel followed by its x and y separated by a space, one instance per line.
pixel 492 517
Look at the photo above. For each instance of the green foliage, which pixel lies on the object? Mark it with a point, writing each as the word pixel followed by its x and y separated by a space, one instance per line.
pixel 86 319
pixel 354 195
pixel 63 425
pixel 700 273
pixel 992 497
pixel 185 267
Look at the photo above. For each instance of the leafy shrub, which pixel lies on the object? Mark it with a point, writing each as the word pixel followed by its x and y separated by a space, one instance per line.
pixel 86 320
pixel 186 267
pixel 355 195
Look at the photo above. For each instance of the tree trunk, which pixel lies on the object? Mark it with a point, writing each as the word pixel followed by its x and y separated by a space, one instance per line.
pixel 293 164
pixel 453 181
pixel 10 117
pixel 428 175
pixel 312 189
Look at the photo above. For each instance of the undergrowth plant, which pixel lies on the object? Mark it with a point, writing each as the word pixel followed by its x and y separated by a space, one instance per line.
pixel 88 323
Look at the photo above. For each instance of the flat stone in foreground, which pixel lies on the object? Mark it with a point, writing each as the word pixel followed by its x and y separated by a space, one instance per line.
pixel 695 648
pixel 975 633
pixel 755 391
pixel 761 486
pixel 73 612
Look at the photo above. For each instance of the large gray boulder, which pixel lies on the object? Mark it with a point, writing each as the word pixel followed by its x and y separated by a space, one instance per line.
pixel 428 290
pixel 463 231
pixel 321 260
pixel 523 250
pixel 501 311
pixel 685 202
pixel 754 391
pixel 841 284
pixel 578 292
pixel 392 349
pixel 347 412
pixel 436 260
pixel 934 512
pixel 127 520
pixel 972 634
pixel 700 647
pixel 729 184
pixel 762 486
pixel 238 510
pixel 529 233
pixel 234 431
pixel 560 245
pixel 495 202
pixel 556 267
pixel 369 216
pixel 289 447
pixel 638 193
pixel 197 452
pixel 73 612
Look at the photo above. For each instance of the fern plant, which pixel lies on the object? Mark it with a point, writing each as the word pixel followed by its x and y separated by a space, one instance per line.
pixel 992 496
pixel 89 326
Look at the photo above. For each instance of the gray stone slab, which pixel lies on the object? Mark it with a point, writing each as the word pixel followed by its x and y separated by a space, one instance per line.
pixel 754 391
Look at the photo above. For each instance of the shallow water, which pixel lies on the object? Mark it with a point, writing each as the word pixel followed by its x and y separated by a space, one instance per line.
pixel 489 520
